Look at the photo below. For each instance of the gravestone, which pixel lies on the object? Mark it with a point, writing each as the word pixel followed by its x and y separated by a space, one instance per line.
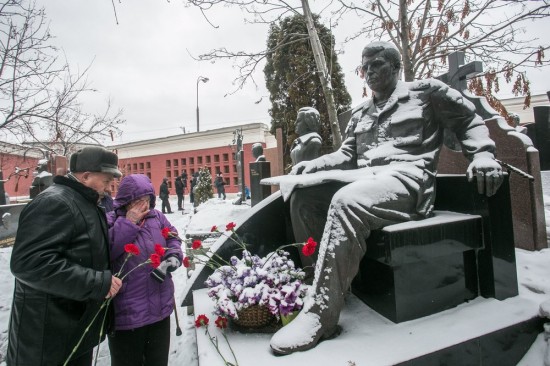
pixel 42 178
pixel 258 171
pixel 2 191
pixel 512 148
pixel 542 135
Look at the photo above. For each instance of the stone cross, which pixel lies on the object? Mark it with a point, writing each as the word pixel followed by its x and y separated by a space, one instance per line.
pixel 457 78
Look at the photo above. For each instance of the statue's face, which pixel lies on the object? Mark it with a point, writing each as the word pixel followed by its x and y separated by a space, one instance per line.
pixel 380 75
pixel 301 126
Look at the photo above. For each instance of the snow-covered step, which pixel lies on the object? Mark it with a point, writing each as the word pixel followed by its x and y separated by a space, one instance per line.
pixel 370 339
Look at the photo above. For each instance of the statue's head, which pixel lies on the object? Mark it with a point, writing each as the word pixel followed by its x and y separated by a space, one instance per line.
pixel 381 63
pixel 257 149
pixel 308 120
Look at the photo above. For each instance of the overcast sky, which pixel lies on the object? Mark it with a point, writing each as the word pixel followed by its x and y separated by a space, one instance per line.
pixel 144 63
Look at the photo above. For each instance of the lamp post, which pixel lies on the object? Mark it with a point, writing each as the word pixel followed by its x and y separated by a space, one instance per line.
pixel 204 80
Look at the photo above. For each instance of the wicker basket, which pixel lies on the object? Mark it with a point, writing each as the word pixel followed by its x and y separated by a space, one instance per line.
pixel 254 316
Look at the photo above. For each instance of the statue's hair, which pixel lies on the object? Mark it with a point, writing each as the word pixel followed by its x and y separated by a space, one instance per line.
pixel 257 149
pixel 311 117
pixel 386 49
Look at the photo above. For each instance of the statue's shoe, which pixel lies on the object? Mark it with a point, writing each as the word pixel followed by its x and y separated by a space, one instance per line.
pixel 303 333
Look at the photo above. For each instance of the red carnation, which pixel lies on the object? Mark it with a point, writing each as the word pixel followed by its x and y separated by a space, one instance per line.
pixel 221 322
pixel 155 260
pixel 196 244
pixel 159 249
pixel 230 226
pixel 309 247
pixel 201 320
pixel 165 233
pixel 131 249
pixel 186 262
pixel 308 250
pixel 214 229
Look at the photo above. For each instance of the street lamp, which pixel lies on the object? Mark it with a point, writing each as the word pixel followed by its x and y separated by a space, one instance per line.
pixel 204 80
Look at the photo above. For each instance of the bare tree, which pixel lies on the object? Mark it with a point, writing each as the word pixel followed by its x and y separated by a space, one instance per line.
pixel 39 95
pixel 426 31
pixel 266 12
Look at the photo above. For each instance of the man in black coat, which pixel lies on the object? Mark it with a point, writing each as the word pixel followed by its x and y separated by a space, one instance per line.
pixel 164 194
pixel 60 261
pixel 179 192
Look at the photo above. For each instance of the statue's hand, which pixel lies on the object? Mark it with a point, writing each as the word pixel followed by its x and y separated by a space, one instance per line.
pixel 488 173
pixel 303 167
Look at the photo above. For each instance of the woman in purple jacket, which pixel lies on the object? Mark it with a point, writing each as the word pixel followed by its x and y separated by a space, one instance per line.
pixel 145 302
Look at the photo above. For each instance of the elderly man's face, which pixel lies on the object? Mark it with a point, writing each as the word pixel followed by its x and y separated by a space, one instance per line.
pixel 380 74
pixel 99 182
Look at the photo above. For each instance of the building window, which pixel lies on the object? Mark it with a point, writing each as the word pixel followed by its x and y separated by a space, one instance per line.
pixel 192 171
pixel 148 165
pixel 226 169
pixel 134 166
pixel 199 160
pixel 235 168
pixel 129 167
pixel 208 159
pixel 216 158
pixel 192 161
pixel 141 165
pixel 148 175
pixel 168 163
pixel 225 157
pixel 176 174
pixel 235 181
pixel 168 174
pixel 183 161
pixel 217 170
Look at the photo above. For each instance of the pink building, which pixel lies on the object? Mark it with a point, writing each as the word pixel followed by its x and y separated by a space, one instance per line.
pixel 171 156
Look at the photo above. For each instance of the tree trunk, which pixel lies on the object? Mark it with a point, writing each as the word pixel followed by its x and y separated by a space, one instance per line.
pixel 324 75
pixel 405 41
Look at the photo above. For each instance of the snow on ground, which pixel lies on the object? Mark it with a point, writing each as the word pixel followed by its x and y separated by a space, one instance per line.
pixel 533 274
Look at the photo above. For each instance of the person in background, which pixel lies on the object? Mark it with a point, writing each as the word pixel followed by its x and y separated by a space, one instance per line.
pixel 184 180
pixel 178 183
pixel 220 185
pixel 164 195
pixel 61 265
pixel 146 300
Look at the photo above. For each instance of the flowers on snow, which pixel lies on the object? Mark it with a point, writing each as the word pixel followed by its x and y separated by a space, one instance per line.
pixel 202 321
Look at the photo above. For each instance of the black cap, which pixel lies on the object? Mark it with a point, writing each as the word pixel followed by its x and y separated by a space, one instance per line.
pixel 95 159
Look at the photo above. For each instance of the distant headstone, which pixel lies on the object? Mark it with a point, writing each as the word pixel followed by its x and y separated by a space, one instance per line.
pixel 2 192
pixel 42 179
pixel 258 171
pixel 542 135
